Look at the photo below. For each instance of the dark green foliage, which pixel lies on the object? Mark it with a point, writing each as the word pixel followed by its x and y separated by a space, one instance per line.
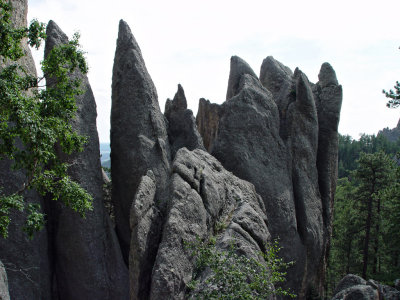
pixel 33 120
pixel 366 224
pixel 236 276
pixel 394 96
pixel 350 149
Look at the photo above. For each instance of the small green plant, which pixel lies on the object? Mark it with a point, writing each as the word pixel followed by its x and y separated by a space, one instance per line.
pixel 236 276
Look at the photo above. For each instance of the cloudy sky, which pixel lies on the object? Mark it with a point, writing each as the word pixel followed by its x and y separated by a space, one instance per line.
pixel 191 42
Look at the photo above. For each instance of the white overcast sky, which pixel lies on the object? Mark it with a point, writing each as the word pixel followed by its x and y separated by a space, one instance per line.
pixel 191 42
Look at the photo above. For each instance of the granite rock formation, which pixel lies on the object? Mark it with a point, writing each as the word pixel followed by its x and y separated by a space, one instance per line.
pixel 182 129
pixel 139 143
pixel 87 257
pixel 277 134
pixel 391 134
pixel 4 294
pixel 26 261
pixel 203 194
pixel 280 133
pixel 207 121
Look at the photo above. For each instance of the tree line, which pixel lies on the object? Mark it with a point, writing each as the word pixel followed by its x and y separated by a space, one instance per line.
pixel 366 236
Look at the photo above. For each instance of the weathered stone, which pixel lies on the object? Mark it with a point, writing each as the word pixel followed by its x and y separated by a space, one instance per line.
pixel 275 76
pixel 389 293
pixel 182 129
pixel 327 76
pixel 357 292
pixel 139 139
pixel 328 99
pixel 348 281
pixel 273 140
pixel 87 257
pixel 207 121
pixel 248 144
pixel 4 294
pixel 391 134
pixel 25 260
pixel 302 142
pixel 238 68
pixel 145 219
pixel 203 196
pixel 279 80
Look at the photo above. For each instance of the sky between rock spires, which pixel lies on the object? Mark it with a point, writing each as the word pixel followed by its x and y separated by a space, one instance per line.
pixel 191 42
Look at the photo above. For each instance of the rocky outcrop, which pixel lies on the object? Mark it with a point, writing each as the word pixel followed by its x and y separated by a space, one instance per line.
pixel 238 68
pixel 25 261
pixel 391 134
pixel 279 133
pixel 207 121
pixel 328 96
pixel 144 221
pixel 203 195
pixel 87 258
pixel 4 294
pixel 139 143
pixel 182 129
pixel 355 287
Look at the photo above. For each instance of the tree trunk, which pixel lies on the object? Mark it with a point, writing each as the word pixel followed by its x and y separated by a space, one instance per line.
pixel 377 233
pixel 348 256
pixel 367 238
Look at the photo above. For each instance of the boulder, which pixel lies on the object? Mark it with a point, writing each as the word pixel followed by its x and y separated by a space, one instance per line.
pixel 87 258
pixel 205 200
pixel 139 140
pixel 348 281
pixel 182 129
pixel 358 292
pixel 354 287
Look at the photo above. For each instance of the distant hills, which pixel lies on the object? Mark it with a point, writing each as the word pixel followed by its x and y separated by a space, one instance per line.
pixel 105 151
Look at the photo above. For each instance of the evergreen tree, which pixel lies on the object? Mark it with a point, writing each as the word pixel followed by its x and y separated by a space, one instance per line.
pixel 375 174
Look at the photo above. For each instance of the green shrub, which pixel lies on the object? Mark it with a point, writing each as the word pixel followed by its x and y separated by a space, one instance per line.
pixel 233 276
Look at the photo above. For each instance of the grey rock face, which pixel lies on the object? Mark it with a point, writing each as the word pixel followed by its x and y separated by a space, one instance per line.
pixel 328 99
pixel 274 139
pixel 275 76
pixel 203 194
pixel 182 129
pixel 207 121
pixel 4 294
pixel 391 134
pixel 139 139
pixel 23 258
pixel 145 220
pixel 238 68
pixel 88 260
